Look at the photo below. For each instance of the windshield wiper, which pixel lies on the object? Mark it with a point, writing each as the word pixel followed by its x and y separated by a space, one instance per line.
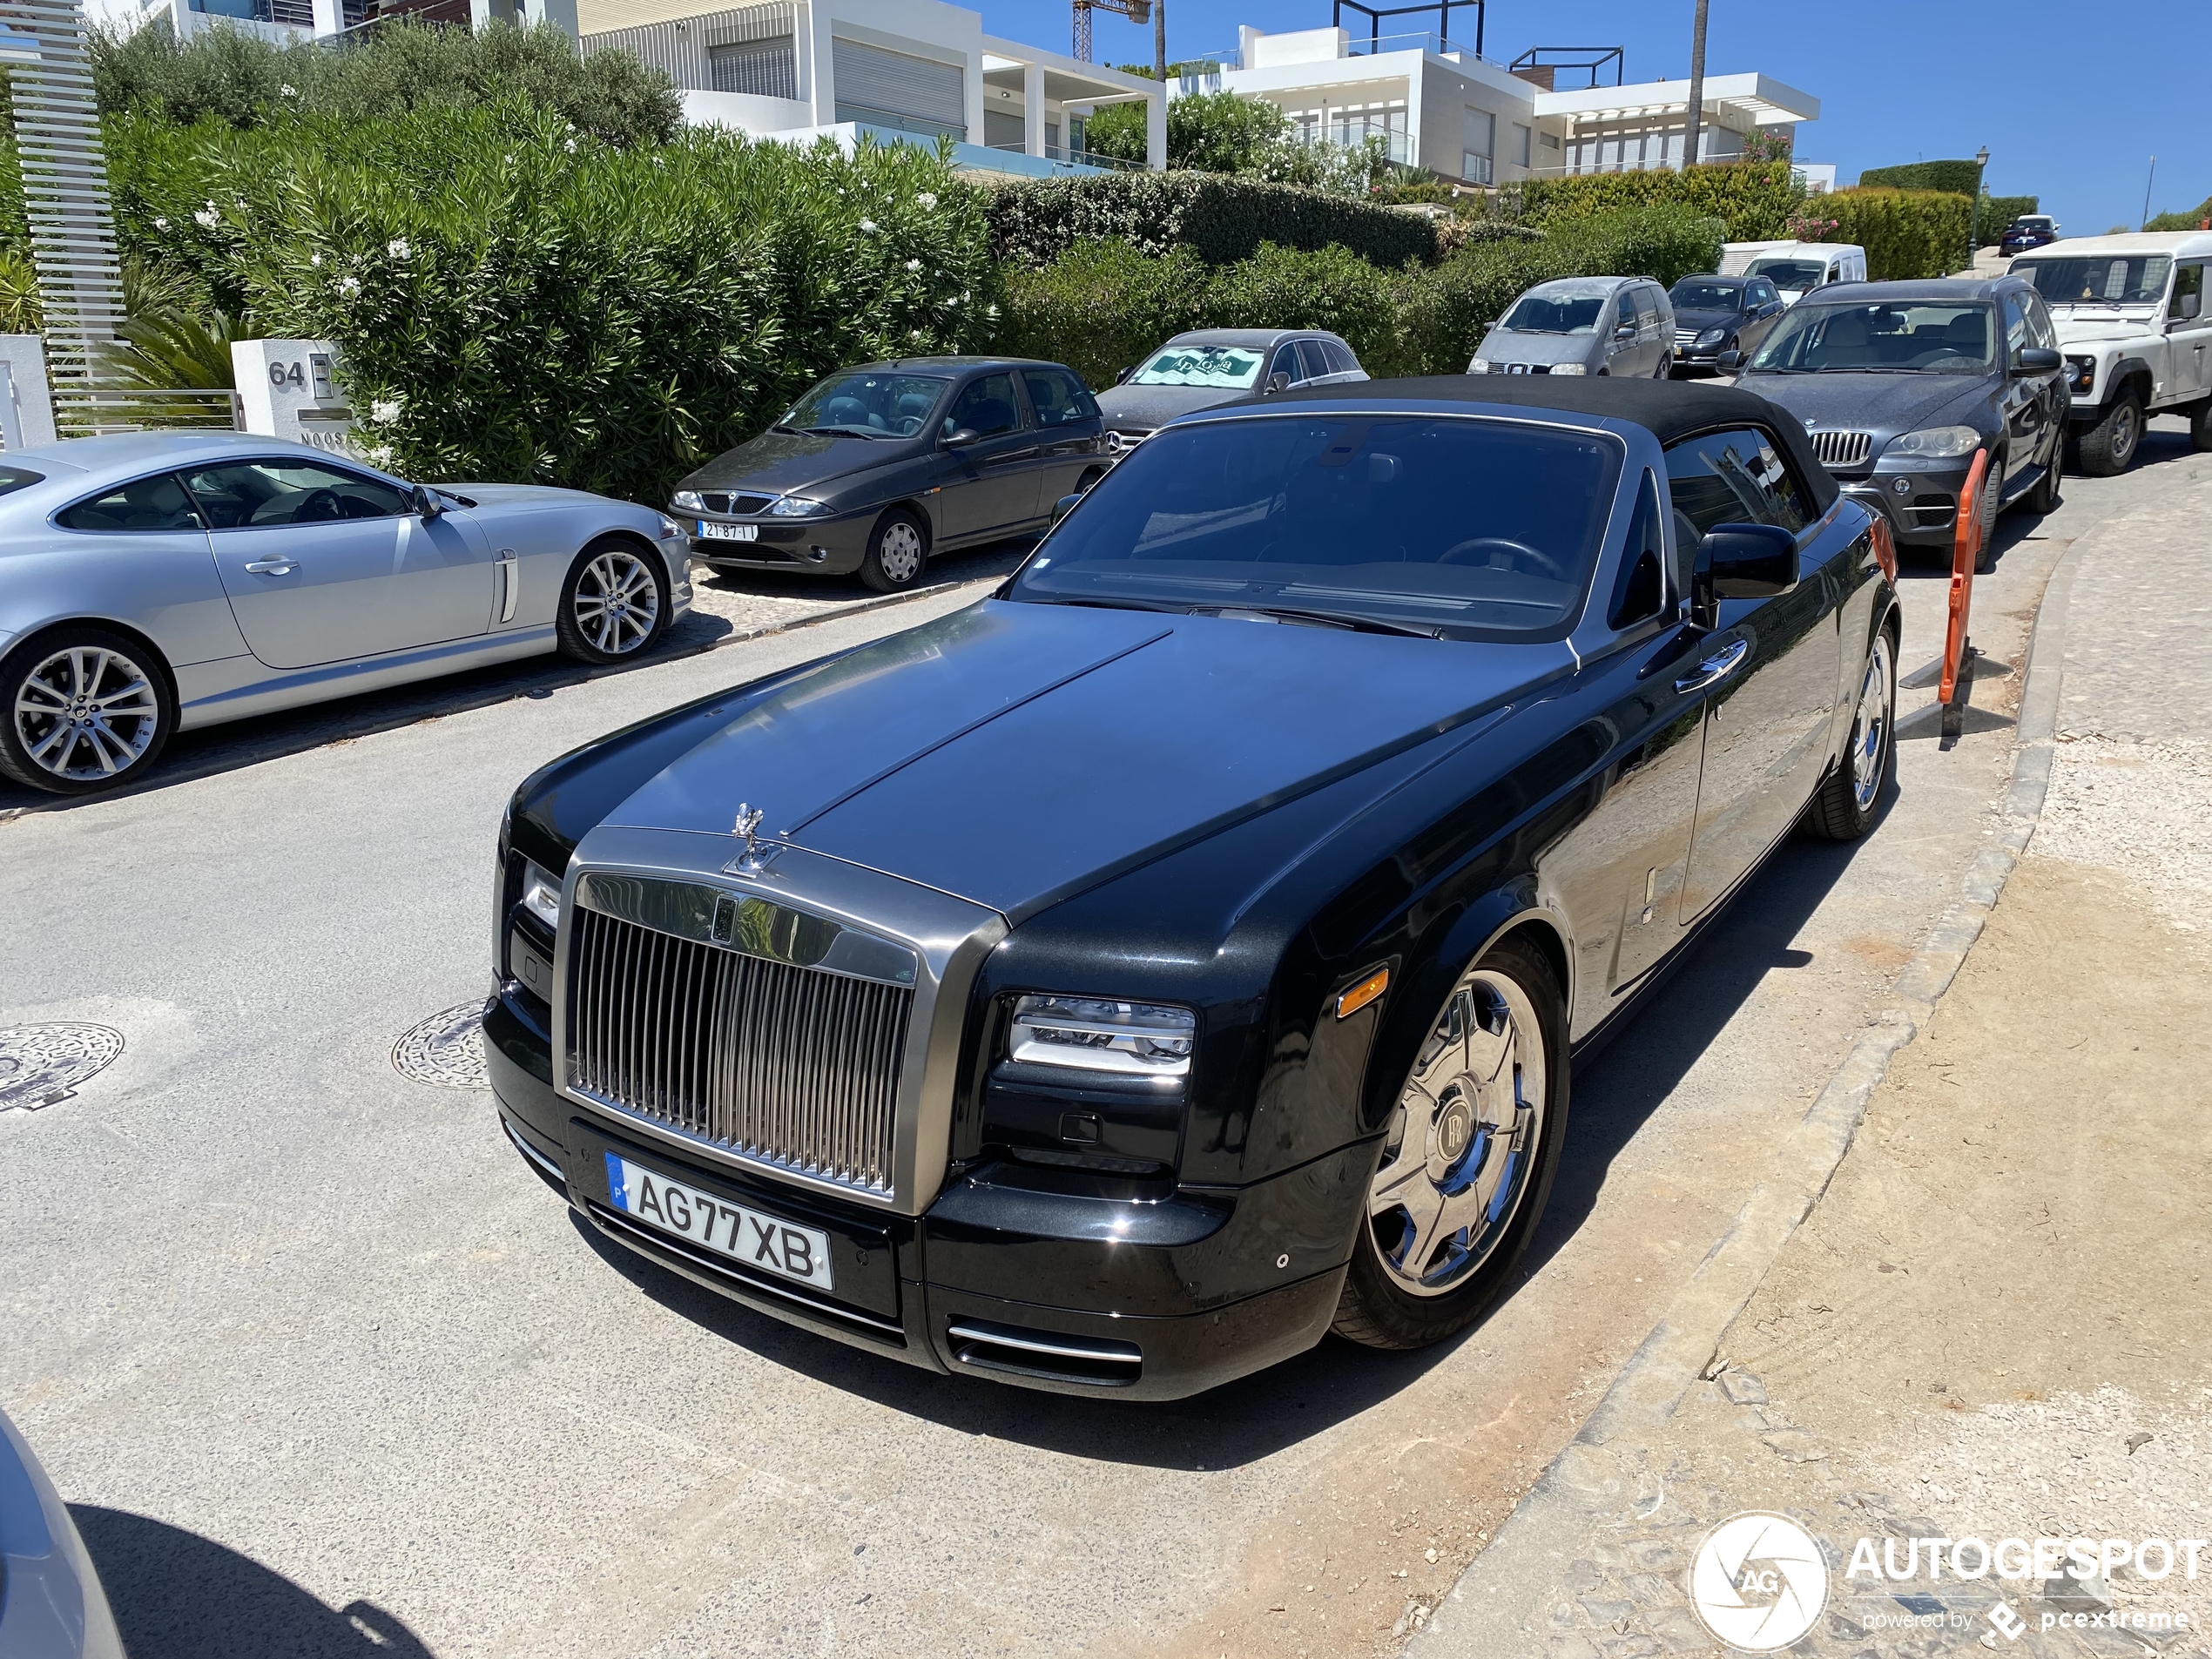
pixel 1116 604
pixel 1328 619
pixel 848 431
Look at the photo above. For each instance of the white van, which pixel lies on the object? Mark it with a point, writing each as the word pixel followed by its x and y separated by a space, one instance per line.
pixel 1795 268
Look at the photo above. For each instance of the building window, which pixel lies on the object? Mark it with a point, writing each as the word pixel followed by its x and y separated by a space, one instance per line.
pixel 759 68
pixel 897 90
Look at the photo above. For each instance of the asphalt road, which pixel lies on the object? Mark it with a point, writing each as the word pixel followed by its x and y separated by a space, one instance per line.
pixel 325 1369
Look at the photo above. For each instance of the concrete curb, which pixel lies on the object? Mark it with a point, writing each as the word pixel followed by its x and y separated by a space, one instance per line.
pixel 1497 1606
pixel 570 675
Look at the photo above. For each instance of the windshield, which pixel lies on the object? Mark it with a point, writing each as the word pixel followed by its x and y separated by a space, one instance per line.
pixel 1471 529
pixel 1555 314
pixel 1920 339
pixel 1690 295
pixel 15 478
pixel 879 405
pixel 2101 279
pixel 1230 367
pixel 1796 274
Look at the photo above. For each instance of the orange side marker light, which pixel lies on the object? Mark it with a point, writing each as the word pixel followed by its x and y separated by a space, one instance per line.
pixel 1362 994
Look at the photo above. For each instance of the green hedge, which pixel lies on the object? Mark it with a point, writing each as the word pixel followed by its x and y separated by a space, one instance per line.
pixel 2192 219
pixel 1103 305
pixel 1959 178
pixel 1997 212
pixel 514 301
pixel 1222 218
pixel 1753 200
pixel 1905 232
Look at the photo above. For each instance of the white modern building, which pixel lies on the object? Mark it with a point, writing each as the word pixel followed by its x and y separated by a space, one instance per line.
pixel 1438 106
pixel 800 70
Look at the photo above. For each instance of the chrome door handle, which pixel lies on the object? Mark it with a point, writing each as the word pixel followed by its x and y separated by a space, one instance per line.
pixel 274 567
pixel 1719 666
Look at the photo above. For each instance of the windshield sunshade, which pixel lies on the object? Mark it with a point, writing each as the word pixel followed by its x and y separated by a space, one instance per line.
pixel 1934 338
pixel 1230 367
pixel 1469 527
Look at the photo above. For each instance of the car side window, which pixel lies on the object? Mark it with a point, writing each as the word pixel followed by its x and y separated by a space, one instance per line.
pixel 1641 591
pixel 1313 360
pixel 253 495
pixel 1762 293
pixel 2016 330
pixel 1341 361
pixel 1733 478
pixel 2040 332
pixel 1056 397
pixel 155 503
pixel 1286 362
pixel 986 406
pixel 2187 303
pixel 1647 315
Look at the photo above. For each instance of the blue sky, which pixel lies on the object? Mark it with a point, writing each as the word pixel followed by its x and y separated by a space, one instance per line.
pixel 2072 97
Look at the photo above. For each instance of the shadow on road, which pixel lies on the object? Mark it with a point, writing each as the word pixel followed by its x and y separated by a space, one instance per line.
pixel 179 1595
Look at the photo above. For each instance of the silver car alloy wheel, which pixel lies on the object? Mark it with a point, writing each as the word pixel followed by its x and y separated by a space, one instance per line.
pixel 1870 729
pixel 617 601
pixel 899 552
pixel 86 713
pixel 1463 1142
pixel 2126 430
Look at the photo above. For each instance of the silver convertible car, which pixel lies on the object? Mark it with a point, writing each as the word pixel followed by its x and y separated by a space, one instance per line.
pixel 157 581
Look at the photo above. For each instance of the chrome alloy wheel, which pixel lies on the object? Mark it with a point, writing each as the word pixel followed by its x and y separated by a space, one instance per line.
pixel 1870 726
pixel 86 713
pixel 1463 1143
pixel 899 552
pixel 616 602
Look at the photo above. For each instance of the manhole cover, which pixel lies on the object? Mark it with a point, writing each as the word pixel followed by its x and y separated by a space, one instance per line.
pixel 40 1064
pixel 446 1049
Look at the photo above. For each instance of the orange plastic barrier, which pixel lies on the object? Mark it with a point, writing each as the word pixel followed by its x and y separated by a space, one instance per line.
pixel 1965 549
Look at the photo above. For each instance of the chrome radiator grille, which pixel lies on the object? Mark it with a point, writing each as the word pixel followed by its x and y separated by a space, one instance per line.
pixel 1842 448
pixel 1685 336
pixel 790 1066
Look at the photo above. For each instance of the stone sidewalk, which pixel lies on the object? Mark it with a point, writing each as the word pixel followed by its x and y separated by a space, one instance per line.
pixel 1888 1400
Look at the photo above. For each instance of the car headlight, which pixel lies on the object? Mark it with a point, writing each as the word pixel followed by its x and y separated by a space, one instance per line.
pixel 669 530
pixel 1937 442
pixel 2081 373
pixel 541 894
pixel 1093 1034
pixel 797 507
pixel 1481 366
pixel 687 500
pixel 1569 368
pixel 1712 337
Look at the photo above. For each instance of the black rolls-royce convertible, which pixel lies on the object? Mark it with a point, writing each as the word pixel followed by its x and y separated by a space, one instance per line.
pixel 1117 984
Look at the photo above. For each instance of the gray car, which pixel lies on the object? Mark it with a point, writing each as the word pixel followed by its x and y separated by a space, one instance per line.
pixel 1621 326
pixel 155 582
pixel 51 1606
pixel 1212 366
pixel 1900 385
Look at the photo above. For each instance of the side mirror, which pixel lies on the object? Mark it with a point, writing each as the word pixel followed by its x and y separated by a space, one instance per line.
pixel 1624 334
pixel 426 503
pixel 1060 508
pixel 1121 375
pixel 2187 307
pixel 1742 561
pixel 1278 381
pixel 2035 359
pixel 960 437
pixel 1731 359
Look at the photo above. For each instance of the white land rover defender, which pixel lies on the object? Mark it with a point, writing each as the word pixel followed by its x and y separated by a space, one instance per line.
pixel 2136 332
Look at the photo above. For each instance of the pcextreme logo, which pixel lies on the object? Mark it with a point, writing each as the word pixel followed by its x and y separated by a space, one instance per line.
pixel 1759 1581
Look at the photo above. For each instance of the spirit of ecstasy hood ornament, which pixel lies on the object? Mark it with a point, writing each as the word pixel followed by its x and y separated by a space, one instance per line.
pixel 755 858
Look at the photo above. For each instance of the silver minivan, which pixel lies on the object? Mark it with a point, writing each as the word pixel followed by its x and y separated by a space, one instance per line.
pixel 1616 325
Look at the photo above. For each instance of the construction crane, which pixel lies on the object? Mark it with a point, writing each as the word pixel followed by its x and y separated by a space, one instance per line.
pixel 1135 10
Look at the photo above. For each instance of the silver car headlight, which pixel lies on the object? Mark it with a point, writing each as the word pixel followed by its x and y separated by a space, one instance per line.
pixel 1094 1034
pixel 1937 443
pixel 1712 337
pixel 541 894
pixel 1569 368
pixel 1481 366
pixel 797 507
pixel 688 501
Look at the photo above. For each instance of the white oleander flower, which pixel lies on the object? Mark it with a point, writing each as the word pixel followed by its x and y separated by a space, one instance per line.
pixel 314 258
pixel 926 198
pixel 866 225
pixel 398 248
pixel 205 219
pixel 289 90
pixel 160 224
pixel 384 408
pixel 914 265
pixel 569 145
pixel 348 286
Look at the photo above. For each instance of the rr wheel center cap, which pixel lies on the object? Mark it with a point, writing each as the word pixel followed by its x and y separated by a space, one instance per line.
pixel 1451 1132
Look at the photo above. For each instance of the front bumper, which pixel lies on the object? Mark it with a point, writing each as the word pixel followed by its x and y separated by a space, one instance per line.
pixel 823 546
pixel 1923 513
pixel 1013 1273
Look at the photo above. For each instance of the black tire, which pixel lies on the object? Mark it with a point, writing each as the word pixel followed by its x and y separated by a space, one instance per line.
pixel 2044 498
pixel 1849 798
pixel 1091 475
pixel 114 711
pixel 2200 425
pixel 614 602
pixel 1666 369
pixel 2108 448
pixel 1989 505
pixel 1376 1309
pixel 898 552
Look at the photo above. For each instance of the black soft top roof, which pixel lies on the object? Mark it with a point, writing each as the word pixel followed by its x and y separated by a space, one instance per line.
pixel 1669 409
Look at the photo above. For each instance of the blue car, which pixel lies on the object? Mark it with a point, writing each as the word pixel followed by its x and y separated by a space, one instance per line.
pixel 1116 985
